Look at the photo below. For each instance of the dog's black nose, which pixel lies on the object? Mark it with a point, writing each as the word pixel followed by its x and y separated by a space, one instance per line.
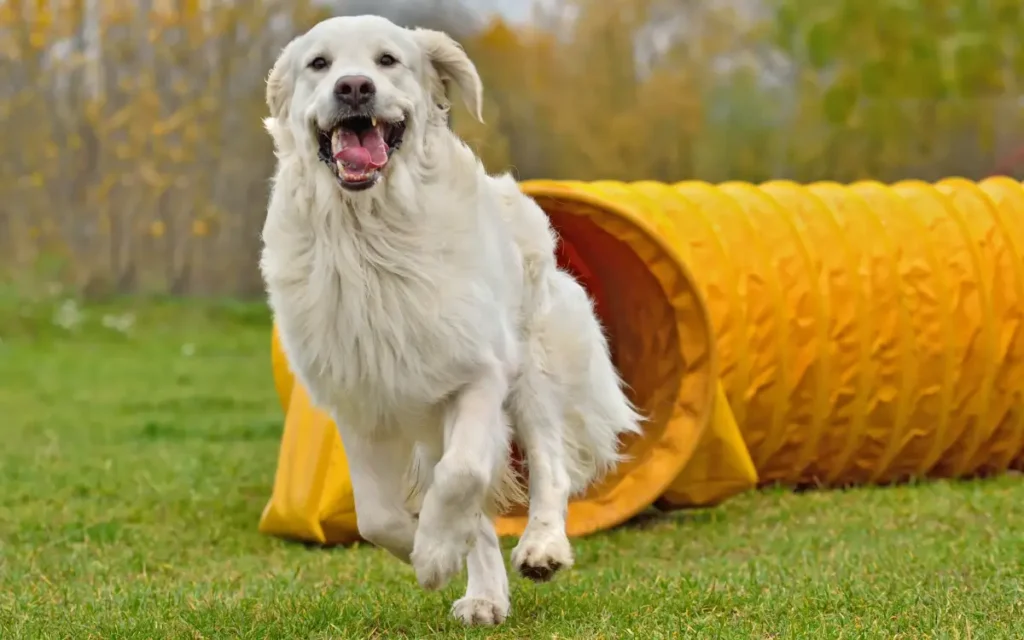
pixel 355 91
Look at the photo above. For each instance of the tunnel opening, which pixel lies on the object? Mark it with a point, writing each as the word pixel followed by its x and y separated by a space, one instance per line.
pixel 643 304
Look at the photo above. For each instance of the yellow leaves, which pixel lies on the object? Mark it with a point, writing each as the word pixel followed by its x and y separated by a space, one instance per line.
pixel 37 39
pixel 168 13
pixel 124 151
pixel 8 15
pixel 43 13
pixel 50 150
pixel 173 122
pixel 191 133
pixel 152 177
pixel 103 188
pixel 492 149
pixel 157 229
pixel 498 38
pixel 9 49
pixel 181 86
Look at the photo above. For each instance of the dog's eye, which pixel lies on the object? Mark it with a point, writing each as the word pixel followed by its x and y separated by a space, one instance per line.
pixel 319 63
pixel 387 60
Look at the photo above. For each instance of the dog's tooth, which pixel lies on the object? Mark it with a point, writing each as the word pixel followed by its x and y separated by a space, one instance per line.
pixel 373 120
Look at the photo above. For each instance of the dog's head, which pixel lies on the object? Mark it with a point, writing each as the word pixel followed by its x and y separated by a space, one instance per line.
pixel 360 92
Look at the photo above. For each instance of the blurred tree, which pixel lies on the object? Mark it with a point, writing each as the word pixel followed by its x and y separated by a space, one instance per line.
pixel 140 162
pixel 135 152
pixel 609 89
pixel 451 16
pixel 518 71
pixel 897 83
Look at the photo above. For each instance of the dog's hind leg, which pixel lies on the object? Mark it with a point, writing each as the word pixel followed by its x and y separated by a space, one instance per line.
pixel 544 547
pixel 377 470
pixel 487 600
pixel 475 458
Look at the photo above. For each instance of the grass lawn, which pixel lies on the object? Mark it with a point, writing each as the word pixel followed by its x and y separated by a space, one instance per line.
pixel 138 449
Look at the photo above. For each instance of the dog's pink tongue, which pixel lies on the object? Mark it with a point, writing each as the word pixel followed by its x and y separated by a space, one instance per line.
pixel 374 143
pixel 356 159
pixel 361 155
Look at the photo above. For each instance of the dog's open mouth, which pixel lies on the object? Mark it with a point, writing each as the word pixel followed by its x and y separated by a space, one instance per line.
pixel 359 148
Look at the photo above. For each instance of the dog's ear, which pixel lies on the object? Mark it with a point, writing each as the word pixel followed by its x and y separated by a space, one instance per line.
pixel 452 64
pixel 280 84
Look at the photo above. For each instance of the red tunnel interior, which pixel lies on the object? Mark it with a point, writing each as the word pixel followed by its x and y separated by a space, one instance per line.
pixel 571 260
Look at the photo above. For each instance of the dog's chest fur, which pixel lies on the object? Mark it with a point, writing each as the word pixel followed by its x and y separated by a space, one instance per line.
pixel 381 317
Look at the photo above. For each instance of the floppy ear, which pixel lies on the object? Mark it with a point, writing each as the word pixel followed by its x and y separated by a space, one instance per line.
pixel 452 64
pixel 280 84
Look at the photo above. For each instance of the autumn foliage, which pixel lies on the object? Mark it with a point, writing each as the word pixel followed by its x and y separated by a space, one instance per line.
pixel 134 158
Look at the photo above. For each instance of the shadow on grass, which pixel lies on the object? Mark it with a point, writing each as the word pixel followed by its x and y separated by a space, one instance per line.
pixel 654 517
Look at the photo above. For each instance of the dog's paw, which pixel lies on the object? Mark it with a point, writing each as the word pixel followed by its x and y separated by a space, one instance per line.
pixel 541 553
pixel 438 559
pixel 480 611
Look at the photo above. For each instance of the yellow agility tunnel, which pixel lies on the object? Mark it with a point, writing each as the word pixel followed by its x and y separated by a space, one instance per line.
pixel 819 334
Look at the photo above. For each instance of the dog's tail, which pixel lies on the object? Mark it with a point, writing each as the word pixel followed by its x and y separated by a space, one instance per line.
pixel 601 417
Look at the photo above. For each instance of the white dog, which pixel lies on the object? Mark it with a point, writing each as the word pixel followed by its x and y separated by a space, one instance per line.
pixel 419 301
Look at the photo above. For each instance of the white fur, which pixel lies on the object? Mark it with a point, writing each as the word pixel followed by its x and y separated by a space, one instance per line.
pixel 428 316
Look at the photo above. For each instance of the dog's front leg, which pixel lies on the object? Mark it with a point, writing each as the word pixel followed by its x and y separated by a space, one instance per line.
pixel 487 600
pixel 475 452
pixel 377 468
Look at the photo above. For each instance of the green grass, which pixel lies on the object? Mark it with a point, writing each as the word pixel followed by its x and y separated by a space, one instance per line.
pixel 136 457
